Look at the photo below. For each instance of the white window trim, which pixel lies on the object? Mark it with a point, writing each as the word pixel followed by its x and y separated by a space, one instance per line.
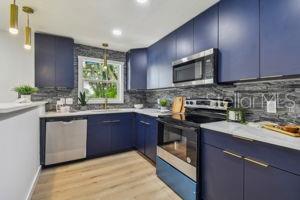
pixel 120 100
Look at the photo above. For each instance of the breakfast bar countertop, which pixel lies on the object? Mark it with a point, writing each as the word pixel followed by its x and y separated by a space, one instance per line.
pixel 254 133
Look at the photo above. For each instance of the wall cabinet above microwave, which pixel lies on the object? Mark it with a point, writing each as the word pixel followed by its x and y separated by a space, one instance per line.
pixel 54 61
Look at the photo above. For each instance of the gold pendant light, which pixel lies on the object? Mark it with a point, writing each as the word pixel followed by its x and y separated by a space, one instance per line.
pixel 14 15
pixel 105 45
pixel 27 44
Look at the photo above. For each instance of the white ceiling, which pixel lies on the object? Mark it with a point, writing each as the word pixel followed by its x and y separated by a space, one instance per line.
pixel 91 22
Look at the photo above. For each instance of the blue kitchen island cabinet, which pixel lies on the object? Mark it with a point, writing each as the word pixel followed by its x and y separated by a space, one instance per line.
pixel 267 182
pixel 280 43
pixel 146 136
pixel 238 40
pixel 222 174
pixel 185 40
pixel 235 168
pixel 137 61
pixel 54 61
pixel 206 29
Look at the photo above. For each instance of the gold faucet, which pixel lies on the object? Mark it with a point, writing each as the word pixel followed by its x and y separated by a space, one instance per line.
pixel 105 103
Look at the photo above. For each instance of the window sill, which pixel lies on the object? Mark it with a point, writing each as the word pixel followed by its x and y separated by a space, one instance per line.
pixel 102 102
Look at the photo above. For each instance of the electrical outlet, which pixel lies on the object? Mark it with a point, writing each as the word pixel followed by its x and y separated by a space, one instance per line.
pixel 69 101
pixel 271 106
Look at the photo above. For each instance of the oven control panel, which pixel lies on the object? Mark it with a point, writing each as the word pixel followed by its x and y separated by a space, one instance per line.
pixel 207 104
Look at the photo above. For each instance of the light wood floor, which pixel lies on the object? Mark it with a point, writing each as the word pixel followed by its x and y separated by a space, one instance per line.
pixel 123 176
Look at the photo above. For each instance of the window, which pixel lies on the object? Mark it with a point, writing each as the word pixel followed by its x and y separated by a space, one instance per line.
pixel 99 82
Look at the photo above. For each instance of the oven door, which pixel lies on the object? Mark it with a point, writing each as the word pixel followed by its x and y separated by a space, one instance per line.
pixel 177 145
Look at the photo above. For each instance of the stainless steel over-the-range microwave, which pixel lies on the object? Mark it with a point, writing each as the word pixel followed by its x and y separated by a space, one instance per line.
pixel 198 69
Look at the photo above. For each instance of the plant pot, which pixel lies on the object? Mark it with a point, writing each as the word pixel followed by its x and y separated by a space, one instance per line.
pixel 27 98
pixel 83 108
pixel 163 109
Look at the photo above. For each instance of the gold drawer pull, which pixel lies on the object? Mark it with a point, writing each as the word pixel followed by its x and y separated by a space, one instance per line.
pixel 232 154
pixel 257 162
pixel 243 138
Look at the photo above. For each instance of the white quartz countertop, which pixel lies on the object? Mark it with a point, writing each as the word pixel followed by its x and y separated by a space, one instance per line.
pixel 14 107
pixel 254 133
pixel 145 111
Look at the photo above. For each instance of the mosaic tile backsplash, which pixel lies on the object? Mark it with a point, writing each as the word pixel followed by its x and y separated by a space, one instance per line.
pixel 252 96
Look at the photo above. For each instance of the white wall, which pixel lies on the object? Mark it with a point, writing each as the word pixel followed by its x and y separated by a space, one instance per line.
pixel 19 153
pixel 16 65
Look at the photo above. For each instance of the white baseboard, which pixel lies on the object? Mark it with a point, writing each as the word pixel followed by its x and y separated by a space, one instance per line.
pixel 33 184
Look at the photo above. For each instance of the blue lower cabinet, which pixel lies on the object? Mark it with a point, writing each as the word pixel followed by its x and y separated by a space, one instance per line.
pixel 99 136
pixel 140 134
pixel 109 134
pixel 146 136
pixel 178 182
pixel 121 132
pixel 222 175
pixel 262 183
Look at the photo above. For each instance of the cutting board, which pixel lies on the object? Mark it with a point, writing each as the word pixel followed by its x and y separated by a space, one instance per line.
pixel 277 129
pixel 178 105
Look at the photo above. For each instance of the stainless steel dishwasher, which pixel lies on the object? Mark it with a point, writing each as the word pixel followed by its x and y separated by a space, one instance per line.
pixel 65 140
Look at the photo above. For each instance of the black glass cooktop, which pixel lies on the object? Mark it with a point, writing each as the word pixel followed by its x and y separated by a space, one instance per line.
pixel 194 119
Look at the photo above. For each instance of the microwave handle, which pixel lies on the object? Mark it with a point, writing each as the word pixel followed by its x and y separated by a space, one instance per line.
pixel 178 126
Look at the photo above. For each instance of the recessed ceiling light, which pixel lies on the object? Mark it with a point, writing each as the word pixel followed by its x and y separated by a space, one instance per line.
pixel 117 32
pixel 142 1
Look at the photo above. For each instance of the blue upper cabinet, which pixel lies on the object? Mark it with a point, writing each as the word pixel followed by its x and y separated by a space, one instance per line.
pixel 153 66
pixel 44 60
pixel 137 69
pixel 167 56
pixel 185 40
pixel 64 62
pixel 280 43
pixel 238 40
pixel 206 30
pixel 54 61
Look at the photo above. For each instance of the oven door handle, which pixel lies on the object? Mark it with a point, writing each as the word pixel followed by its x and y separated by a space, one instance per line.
pixel 178 126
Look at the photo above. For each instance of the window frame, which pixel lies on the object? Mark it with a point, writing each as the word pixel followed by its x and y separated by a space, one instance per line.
pixel 120 82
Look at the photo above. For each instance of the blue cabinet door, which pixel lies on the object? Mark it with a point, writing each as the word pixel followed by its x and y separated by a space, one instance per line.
pixel 167 54
pixel 206 29
pixel 137 69
pixel 263 183
pixel 238 40
pixel 121 132
pixel 44 60
pixel 140 133
pixel 64 62
pixel 153 66
pixel 222 175
pixel 280 42
pixel 185 40
pixel 99 135
pixel 54 61
pixel 151 138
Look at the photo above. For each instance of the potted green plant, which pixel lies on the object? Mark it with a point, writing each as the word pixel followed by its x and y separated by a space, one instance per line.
pixel 25 92
pixel 163 104
pixel 83 101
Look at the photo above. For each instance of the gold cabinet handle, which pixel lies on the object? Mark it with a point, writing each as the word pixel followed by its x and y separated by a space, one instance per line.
pixel 257 162
pixel 275 76
pixel 243 138
pixel 232 154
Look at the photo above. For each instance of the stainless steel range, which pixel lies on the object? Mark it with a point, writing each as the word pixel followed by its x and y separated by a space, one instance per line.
pixel 179 143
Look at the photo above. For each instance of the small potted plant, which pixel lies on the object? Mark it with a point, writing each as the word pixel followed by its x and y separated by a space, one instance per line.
pixel 83 101
pixel 163 105
pixel 25 92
